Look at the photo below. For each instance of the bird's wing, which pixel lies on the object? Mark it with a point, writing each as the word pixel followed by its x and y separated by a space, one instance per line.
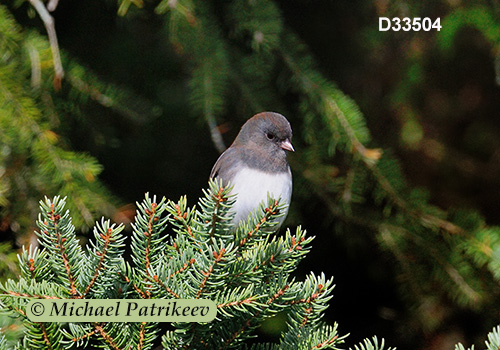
pixel 225 167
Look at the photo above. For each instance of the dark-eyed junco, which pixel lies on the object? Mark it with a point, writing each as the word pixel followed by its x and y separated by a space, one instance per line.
pixel 256 165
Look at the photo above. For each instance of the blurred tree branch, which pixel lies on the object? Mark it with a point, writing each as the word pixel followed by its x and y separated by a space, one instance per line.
pixel 48 21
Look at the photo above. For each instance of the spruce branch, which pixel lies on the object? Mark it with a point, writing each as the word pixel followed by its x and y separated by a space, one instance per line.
pixel 371 344
pixel 80 336
pixel 403 236
pixel 40 335
pixel 28 132
pixel 101 331
pixel 346 130
pixel 492 343
pixel 104 256
pixel 313 86
pixel 162 286
pixel 427 220
pixel 216 216
pixel 220 198
pixel 117 98
pixel 182 215
pixel 198 252
pixel 178 252
pixel 324 337
pixel 29 289
pixel 58 234
pixel 125 4
pixel 34 264
pixel 147 242
pixel 194 32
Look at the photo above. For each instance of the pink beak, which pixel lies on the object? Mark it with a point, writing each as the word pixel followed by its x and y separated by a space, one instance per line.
pixel 287 145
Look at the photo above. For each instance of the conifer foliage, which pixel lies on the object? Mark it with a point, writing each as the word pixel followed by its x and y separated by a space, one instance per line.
pixel 177 252
pixel 241 57
pixel 454 253
pixel 34 158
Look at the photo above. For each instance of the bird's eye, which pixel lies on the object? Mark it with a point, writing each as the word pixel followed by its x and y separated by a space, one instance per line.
pixel 270 136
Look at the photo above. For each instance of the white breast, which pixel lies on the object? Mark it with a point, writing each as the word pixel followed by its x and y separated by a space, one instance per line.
pixel 252 187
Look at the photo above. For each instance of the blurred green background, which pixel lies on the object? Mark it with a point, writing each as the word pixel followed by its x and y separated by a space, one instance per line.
pixel 130 118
